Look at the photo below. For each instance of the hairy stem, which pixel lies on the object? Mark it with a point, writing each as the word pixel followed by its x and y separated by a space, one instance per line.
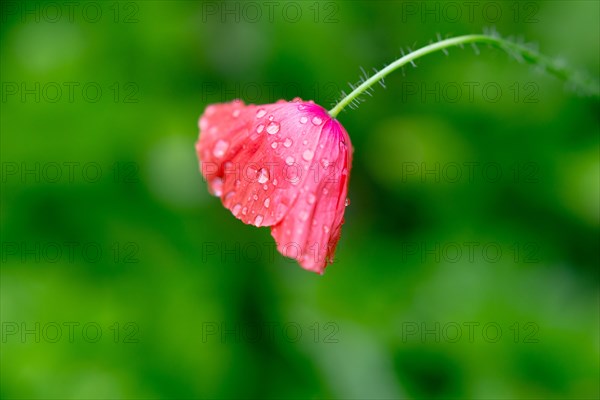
pixel 519 51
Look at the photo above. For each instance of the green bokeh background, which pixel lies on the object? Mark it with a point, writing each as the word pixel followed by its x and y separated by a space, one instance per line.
pixel 181 289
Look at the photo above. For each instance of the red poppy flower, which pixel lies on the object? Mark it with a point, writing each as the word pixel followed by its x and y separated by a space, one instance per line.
pixel 284 165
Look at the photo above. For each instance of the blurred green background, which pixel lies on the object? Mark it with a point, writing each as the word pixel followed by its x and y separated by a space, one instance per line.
pixel 468 264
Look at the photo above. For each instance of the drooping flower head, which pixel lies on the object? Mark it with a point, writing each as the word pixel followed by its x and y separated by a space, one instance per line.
pixel 285 165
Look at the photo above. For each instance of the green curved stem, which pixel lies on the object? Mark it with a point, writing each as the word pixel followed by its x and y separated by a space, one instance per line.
pixel 519 51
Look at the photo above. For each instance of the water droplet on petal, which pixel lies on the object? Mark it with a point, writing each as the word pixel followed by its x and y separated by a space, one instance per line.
pixel 317 121
pixel 229 195
pixel 220 148
pixel 236 209
pixel 258 220
pixel 255 197
pixel 266 187
pixel 288 142
pixel 216 186
pixel 261 113
pixel 325 229
pixel 203 123
pixel 245 210
pixel 290 160
pixel 311 198
pixel 347 203
pixel 267 202
pixel 307 155
pixel 274 182
pixel 305 142
pixel 272 128
pixel 260 128
pixel 237 183
pixel 303 216
pixel 263 175
pixel 324 162
pixel 303 120
pixel 236 113
pixel 270 118
pixel 325 191
pixel 274 145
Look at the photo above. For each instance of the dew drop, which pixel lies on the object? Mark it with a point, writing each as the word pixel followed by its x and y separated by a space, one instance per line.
pixel 260 128
pixel 236 209
pixel 303 216
pixel 305 142
pixel 245 210
pixel 274 182
pixel 258 220
pixel 324 162
pixel 325 229
pixel 261 113
pixel 274 145
pixel 267 202
pixel 236 113
pixel 303 120
pixel 307 155
pixel 347 203
pixel 216 186
pixel 210 110
pixel 203 123
pixel 290 160
pixel 266 187
pixel 325 191
pixel 237 183
pixel 270 118
pixel 255 197
pixel 220 148
pixel 263 176
pixel 229 195
pixel 272 128
pixel 317 121
pixel 311 198
pixel 288 142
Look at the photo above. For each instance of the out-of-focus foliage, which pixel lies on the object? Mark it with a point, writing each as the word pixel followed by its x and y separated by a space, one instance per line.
pixel 468 265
